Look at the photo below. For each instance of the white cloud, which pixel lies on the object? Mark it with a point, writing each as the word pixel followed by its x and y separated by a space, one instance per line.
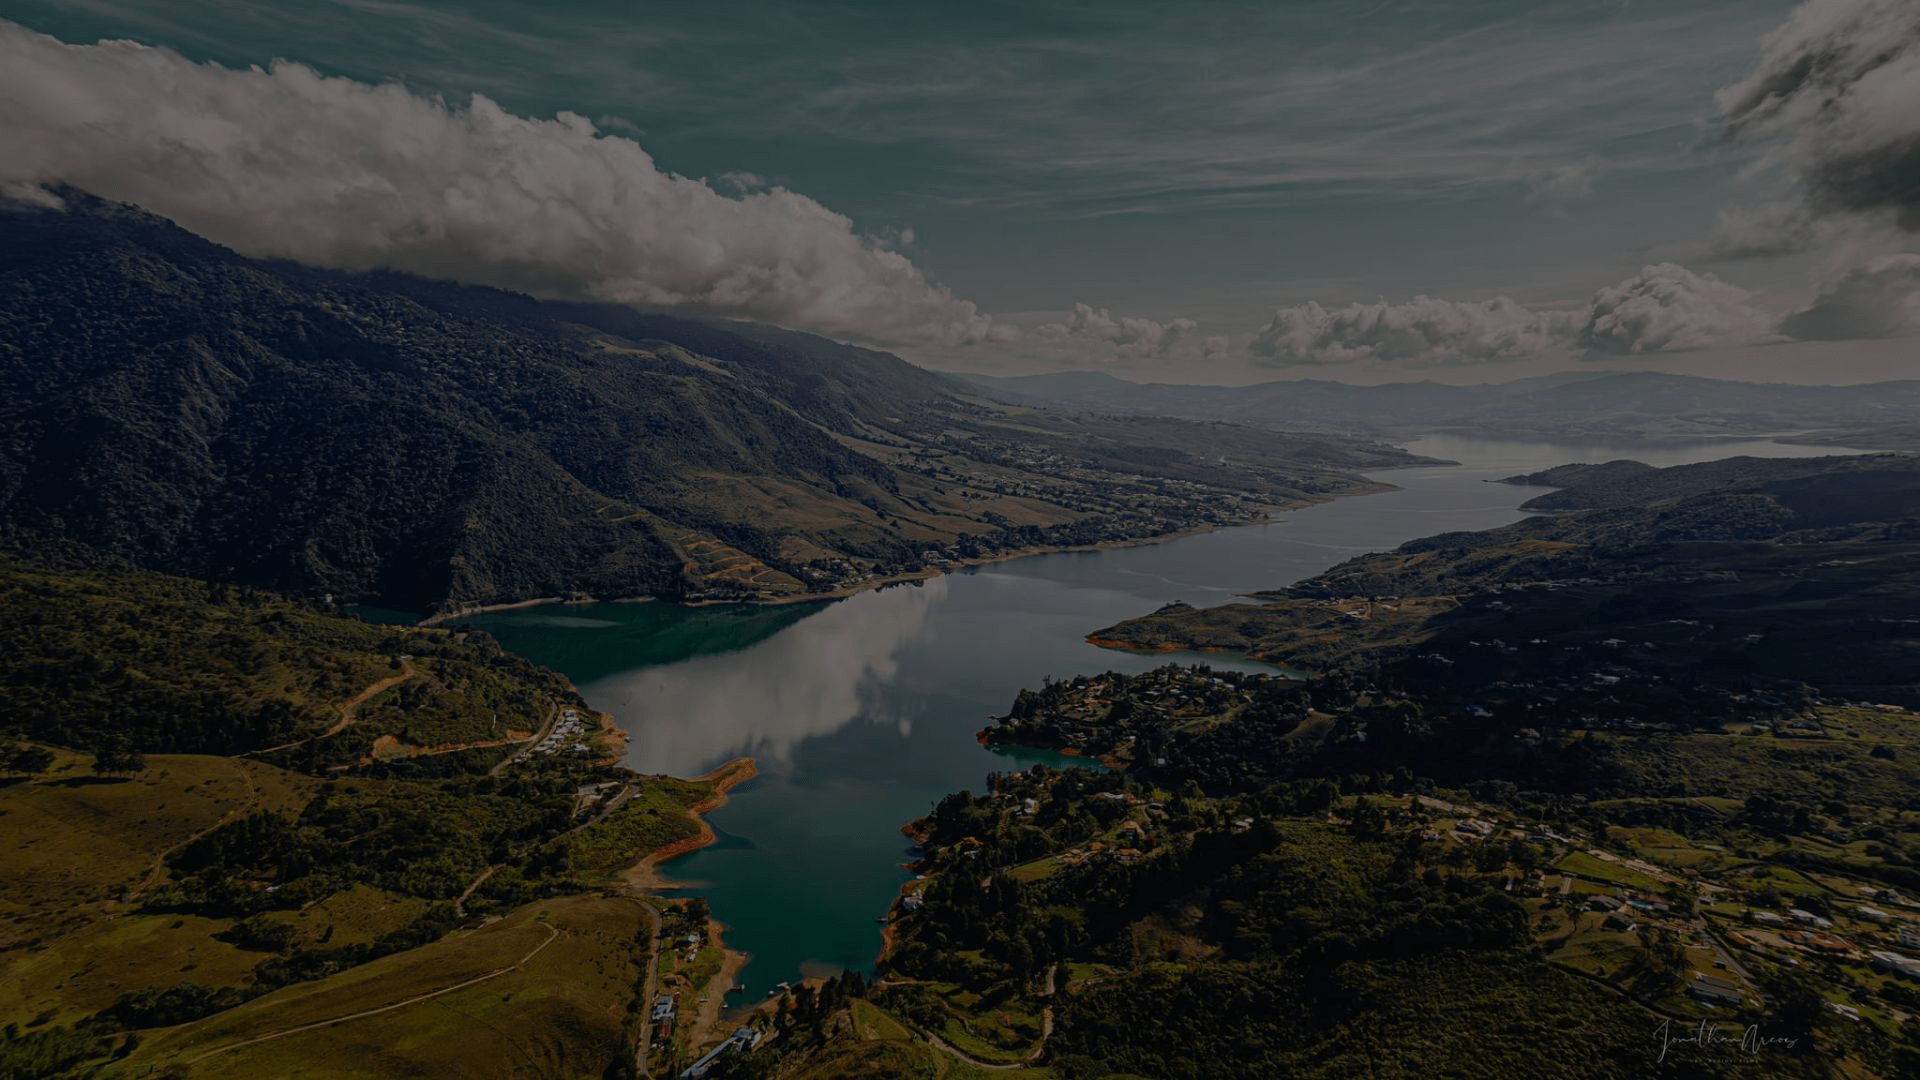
pixel 812 679
pixel 1836 94
pixel 288 163
pixel 1664 308
pixel 1668 308
pixel 1422 332
pixel 1878 299
pixel 1098 338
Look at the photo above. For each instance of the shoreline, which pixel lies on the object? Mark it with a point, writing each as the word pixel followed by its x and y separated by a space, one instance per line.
pixel 644 878
pixel 908 887
pixel 576 599
pixel 645 875
pixel 1200 650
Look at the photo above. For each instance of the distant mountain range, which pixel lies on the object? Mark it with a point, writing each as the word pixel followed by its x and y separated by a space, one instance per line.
pixel 388 438
pixel 1642 405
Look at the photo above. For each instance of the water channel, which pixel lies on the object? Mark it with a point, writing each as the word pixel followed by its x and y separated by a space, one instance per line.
pixel 861 713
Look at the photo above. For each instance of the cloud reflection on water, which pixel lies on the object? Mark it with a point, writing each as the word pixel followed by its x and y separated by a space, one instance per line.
pixel 813 678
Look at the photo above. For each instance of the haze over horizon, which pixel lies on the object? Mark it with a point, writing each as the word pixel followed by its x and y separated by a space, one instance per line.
pixel 1363 192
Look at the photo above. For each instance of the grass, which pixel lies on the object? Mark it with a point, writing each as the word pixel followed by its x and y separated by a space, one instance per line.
pixel 1585 865
pixel 85 971
pixel 655 817
pixel 870 1021
pixel 76 839
pixel 352 916
pixel 1036 870
pixel 561 1014
pixel 877 1045
pixel 1789 883
pixel 80 853
pixel 977 1025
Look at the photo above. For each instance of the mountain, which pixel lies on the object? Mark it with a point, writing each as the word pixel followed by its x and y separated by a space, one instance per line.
pixel 1744 572
pixel 1642 405
pixel 417 443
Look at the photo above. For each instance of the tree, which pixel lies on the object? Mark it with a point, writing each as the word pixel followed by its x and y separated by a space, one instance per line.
pixel 116 754
pixel 1799 1003
pixel 1665 955
pixel 29 759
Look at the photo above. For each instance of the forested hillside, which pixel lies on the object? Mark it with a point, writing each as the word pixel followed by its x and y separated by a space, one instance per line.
pixel 1742 571
pixel 378 436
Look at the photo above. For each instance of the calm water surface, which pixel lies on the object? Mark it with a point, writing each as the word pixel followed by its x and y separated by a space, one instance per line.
pixel 862 713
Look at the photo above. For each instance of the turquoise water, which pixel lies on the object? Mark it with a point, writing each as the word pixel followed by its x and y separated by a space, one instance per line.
pixel 862 713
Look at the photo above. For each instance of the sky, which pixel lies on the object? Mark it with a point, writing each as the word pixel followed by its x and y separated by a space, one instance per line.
pixel 1203 192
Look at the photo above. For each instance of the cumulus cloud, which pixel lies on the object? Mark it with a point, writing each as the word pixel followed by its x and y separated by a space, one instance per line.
pixel 812 679
pixel 286 162
pixel 1834 93
pixel 1879 299
pixel 1663 308
pixel 1097 337
pixel 1668 308
pixel 1422 332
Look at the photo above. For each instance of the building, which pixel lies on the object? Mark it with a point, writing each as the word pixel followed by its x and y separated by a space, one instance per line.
pixel 1818 940
pixel 740 1041
pixel 1808 918
pixel 1716 991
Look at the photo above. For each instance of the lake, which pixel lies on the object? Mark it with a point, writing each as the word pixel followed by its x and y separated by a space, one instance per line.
pixel 861 712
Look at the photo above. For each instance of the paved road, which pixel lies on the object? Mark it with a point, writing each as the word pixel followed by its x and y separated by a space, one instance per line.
pixel 1726 957
pixel 646 989
pixel 553 717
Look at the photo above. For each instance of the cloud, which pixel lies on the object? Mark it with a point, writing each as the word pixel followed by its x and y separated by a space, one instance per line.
pixel 1835 92
pixel 1663 308
pixel 1422 332
pixel 1098 338
pixel 289 163
pixel 1879 299
pixel 1668 308
pixel 1552 189
pixel 812 679
pixel 1758 231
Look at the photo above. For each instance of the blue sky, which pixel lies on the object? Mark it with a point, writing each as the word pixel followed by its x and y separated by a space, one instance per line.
pixel 1209 163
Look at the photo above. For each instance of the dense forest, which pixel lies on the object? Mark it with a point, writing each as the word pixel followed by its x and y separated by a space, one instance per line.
pixel 378 436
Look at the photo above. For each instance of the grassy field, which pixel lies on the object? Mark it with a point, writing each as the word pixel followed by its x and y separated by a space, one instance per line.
pixel 655 817
pixel 542 992
pixel 873 1043
pixel 1586 866
pixel 352 916
pixel 80 852
pixel 75 839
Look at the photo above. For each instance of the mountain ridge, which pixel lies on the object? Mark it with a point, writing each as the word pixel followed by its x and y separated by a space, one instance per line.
pixel 1650 406
pixel 431 445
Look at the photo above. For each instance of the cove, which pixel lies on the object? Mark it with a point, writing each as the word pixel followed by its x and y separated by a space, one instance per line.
pixel 861 712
